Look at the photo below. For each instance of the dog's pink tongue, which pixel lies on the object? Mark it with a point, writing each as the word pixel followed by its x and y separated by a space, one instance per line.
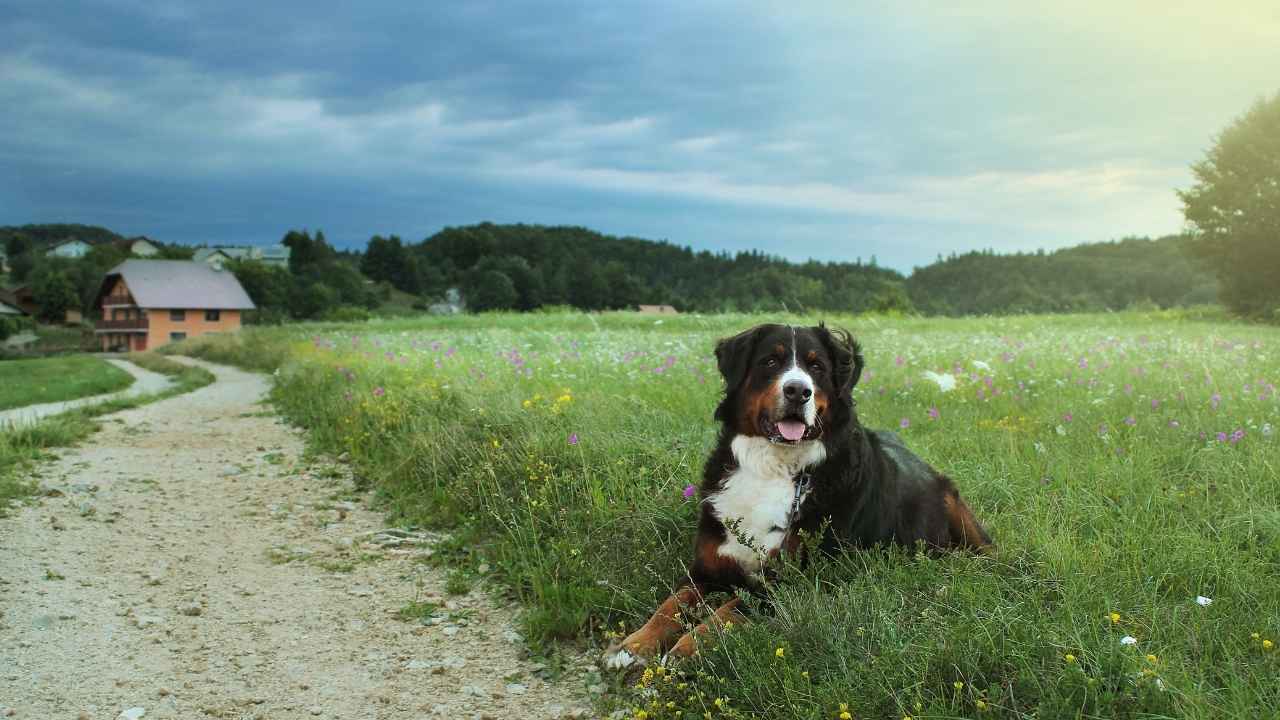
pixel 791 429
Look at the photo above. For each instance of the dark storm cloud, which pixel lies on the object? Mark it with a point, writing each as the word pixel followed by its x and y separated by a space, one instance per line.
pixel 899 131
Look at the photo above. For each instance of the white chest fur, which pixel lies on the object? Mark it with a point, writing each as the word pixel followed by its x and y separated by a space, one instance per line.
pixel 758 495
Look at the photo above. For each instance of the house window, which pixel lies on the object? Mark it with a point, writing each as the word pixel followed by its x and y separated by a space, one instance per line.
pixel 212 315
pixel 175 337
pixel 178 315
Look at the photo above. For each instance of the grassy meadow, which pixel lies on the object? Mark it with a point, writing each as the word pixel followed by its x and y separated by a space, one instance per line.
pixel 1126 465
pixel 54 379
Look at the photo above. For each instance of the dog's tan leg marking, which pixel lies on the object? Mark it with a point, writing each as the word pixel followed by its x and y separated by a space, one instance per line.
pixel 656 635
pixel 688 644
pixel 965 530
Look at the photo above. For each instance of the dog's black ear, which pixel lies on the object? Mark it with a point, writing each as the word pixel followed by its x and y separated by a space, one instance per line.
pixel 846 356
pixel 733 354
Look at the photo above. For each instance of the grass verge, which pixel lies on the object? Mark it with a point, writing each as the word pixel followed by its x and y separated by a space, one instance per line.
pixel 54 379
pixel 1125 464
pixel 25 444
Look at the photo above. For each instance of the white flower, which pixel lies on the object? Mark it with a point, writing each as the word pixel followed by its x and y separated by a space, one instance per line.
pixel 1203 601
pixel 1061 430
pixel 1128 640
pixel 946 381
pixel 1040 447
pixel 982 366
pixel 1267 430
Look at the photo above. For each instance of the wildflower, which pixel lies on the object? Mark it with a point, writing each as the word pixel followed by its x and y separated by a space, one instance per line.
pixel 1215 400
pixel 1069 658
pixel 844 712
pixel 1203 601
pixel 379 391
pixel 946 382
pixel 780 653
pixel 719 702
pixel 1237 436
pixel 1267 645
pixel 1222 437
pixel 1155 404
pixel 1267 430
pixel 573 438
pixel 1174 424
pixel 1152 659
pixel 1253 636
pixel 1128 640
pixel 1067 417
pixel 1102 430
pixel 1131 421
pixel 933 413
pixel 980 704
pixel 689 490
pixel 904 423
pixel 957 685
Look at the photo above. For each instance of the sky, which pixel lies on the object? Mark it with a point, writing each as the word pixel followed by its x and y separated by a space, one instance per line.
pixel 835 131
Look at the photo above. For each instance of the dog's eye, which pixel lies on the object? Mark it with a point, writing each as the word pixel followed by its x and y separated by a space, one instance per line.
pixel 769 361
pixel 816 367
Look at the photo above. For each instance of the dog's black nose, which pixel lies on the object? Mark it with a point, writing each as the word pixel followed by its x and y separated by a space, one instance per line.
pixel 797 391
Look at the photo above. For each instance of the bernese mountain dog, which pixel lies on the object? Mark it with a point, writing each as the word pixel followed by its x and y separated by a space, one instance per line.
pixel 792 461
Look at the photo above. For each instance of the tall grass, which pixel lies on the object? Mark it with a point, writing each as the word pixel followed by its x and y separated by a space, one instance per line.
pixel 1125 464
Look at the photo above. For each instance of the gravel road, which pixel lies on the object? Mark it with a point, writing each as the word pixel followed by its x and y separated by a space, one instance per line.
pixel 186 562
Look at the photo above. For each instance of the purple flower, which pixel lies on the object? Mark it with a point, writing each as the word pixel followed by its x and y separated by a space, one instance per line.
pixel 1084 363
pixel 904 423
pixel 379 392
pixel 898 361
pixel 1131 421
pixel 1067 417
pixel 1222 437
pixel 689 490
pixel 1102 430
pixel 1215 400
pixel 573 438
pixel 1155 404
pixel 933 413
pixel 1237 436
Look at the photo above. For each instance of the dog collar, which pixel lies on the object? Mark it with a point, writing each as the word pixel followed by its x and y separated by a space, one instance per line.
pixel 803 483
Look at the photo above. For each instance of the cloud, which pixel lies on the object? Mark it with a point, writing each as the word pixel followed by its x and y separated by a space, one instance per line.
pixel 829 130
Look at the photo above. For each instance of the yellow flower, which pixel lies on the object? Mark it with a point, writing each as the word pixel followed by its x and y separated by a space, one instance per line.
pixel 845 716
pixel 1115 617
pixel 641 714
pixel 981 705
pixel 1069 658
pixel 728 625
pixel 805 674
pixel 496 444
pixel 1152 659
pixel 958 685
pixel 779 653
pixel 719 702
pixel 1254 636
pixel 1267 644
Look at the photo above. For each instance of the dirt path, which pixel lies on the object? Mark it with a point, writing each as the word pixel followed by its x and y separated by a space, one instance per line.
pixel 145 382
pixel 185 562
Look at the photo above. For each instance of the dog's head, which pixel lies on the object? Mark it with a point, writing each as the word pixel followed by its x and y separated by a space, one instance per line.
pixel 788 384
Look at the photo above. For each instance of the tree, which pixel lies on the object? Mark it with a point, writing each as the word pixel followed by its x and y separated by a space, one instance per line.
pixel 54 292
pixel 490 290
pixel 1235 209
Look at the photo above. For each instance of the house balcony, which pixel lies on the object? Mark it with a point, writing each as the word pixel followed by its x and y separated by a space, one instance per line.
pixel 130 325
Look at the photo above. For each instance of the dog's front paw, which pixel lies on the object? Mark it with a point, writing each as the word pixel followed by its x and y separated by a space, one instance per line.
pixel 618 657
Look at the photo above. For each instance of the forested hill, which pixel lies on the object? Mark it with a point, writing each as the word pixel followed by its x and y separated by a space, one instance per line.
pixel 1096 276
pixel 529 265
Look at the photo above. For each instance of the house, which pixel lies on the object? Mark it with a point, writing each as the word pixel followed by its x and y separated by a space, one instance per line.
pixel 22 298
pixel 270 255
pixel 10 310
pixel 658 310
pixel 73 248
pixel 147 303
pixel 139 247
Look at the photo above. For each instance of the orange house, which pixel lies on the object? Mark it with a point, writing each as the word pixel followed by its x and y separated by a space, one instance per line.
pixel 147 303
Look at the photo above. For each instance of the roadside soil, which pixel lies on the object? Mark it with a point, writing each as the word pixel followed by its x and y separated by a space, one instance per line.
pixel 186 561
